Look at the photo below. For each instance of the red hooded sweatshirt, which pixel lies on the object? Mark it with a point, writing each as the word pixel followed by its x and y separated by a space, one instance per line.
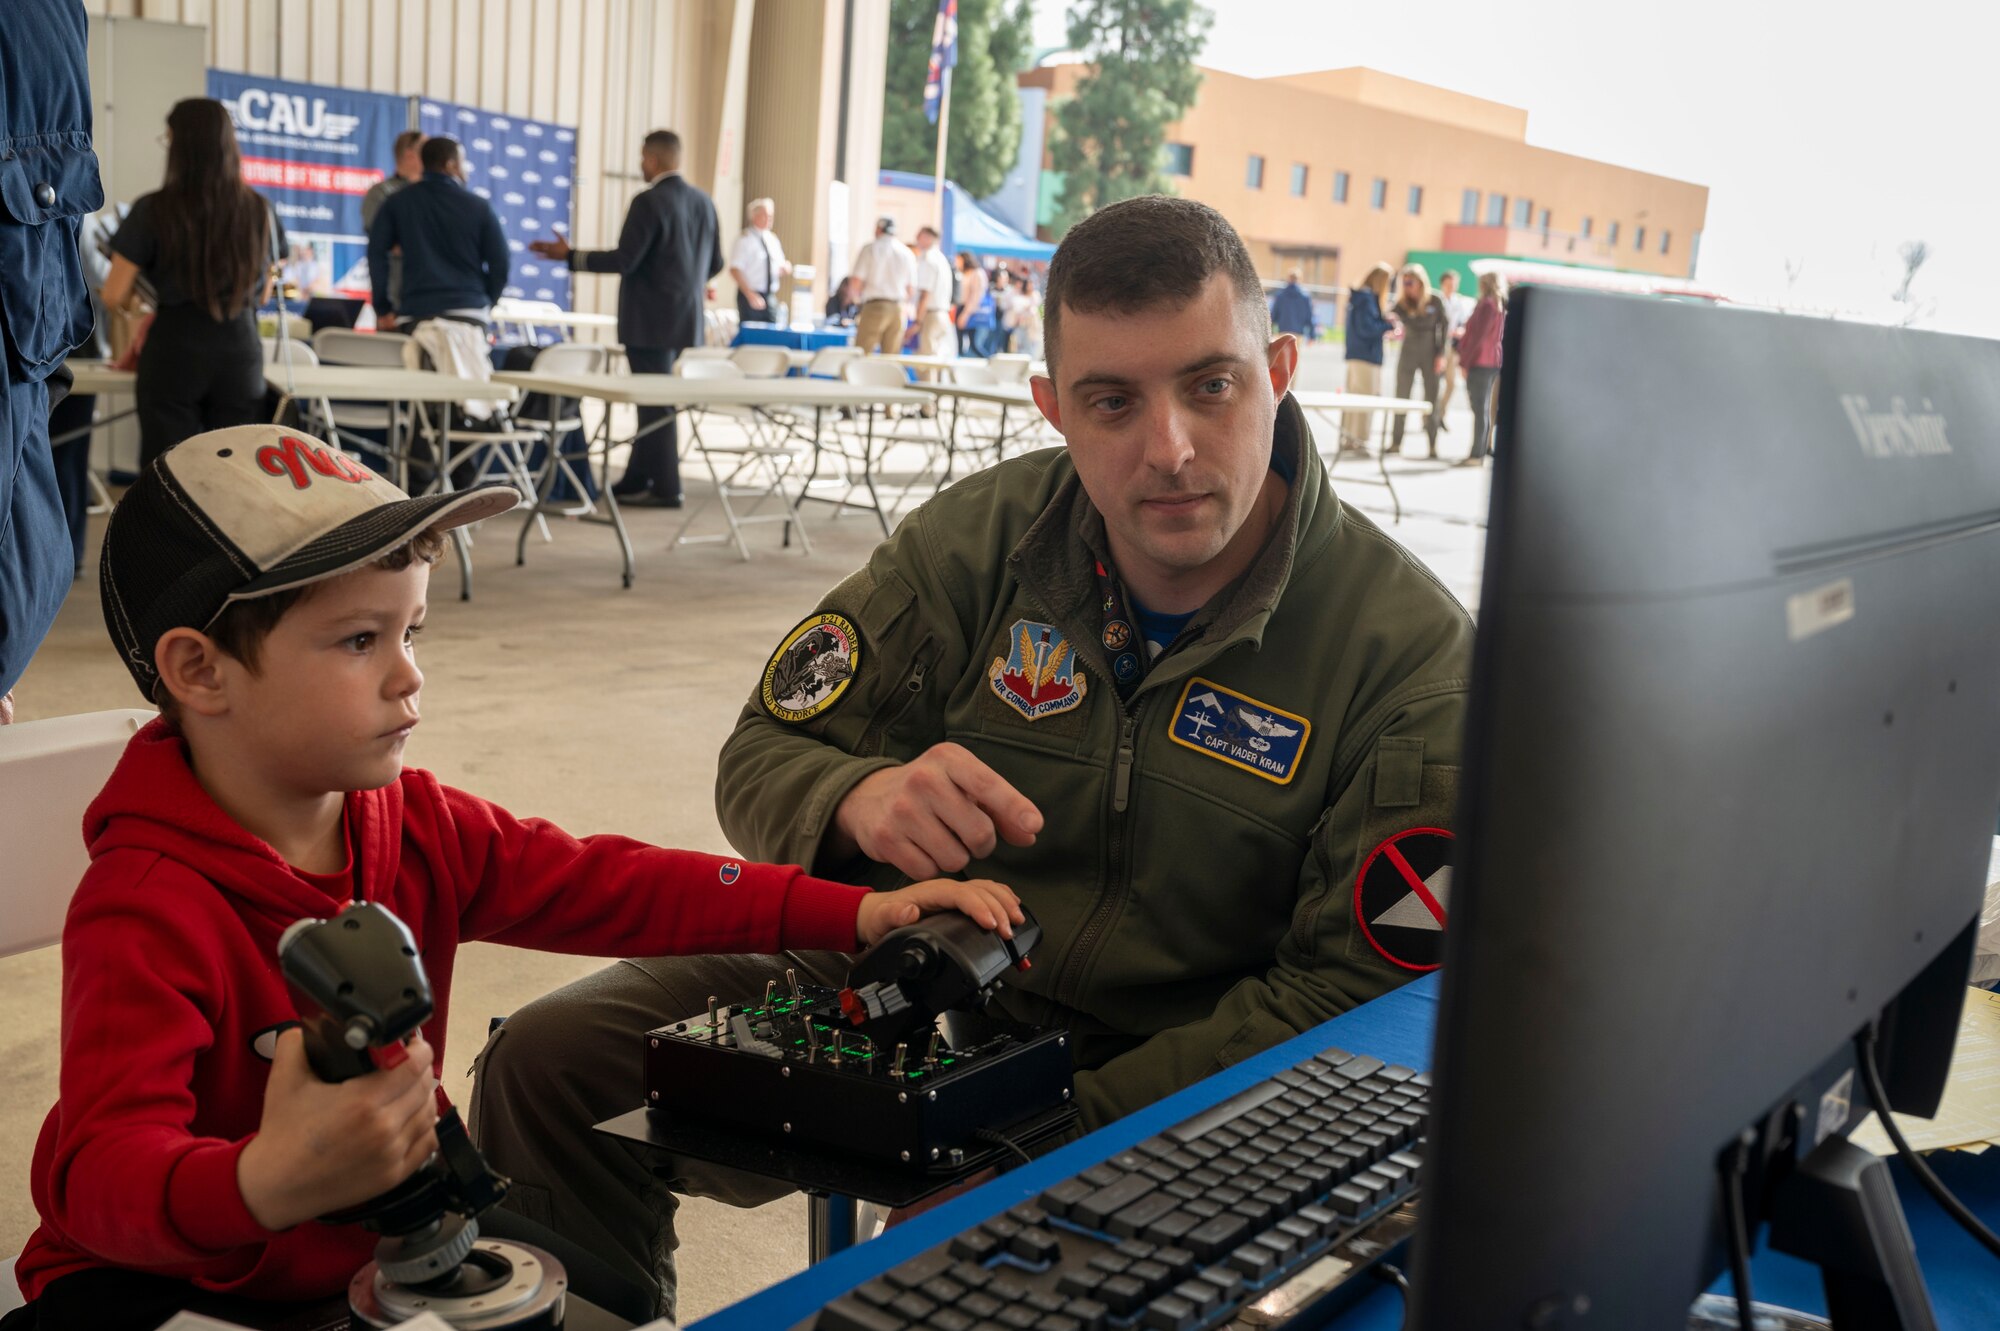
pixel 170 977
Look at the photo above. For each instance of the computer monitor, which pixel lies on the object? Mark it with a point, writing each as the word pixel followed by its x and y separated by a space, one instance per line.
pixel 1733 761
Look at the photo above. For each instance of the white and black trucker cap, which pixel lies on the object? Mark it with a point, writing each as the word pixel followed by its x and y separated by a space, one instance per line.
pixel 245 512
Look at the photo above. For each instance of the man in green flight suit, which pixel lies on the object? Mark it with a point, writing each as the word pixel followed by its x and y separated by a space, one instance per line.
pixel 1203 716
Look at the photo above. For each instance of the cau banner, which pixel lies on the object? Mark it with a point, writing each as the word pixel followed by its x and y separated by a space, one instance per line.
pixel 527 170
pixel 314 151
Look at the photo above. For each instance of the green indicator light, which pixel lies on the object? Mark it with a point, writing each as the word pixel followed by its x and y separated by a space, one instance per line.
pixel 798 1042
pixel 947 1062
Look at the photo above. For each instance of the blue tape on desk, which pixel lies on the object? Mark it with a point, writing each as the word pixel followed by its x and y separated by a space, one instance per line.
pixel 1395 1028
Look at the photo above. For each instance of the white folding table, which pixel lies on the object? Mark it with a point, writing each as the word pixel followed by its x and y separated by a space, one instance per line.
pixel 773 400
pixel 1331 406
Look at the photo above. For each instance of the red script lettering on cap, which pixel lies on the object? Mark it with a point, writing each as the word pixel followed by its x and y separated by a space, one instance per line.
pixel 300 460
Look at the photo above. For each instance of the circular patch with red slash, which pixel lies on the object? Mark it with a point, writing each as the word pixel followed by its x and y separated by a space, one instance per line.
pixel 1401 897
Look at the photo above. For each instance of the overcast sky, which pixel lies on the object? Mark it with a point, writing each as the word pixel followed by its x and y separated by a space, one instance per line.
pixel 1828 135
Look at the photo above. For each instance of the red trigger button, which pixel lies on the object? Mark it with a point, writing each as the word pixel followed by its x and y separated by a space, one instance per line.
pixel 1024 964
pixel 389 1055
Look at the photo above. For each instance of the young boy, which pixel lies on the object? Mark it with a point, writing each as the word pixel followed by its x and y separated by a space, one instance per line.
pixel 266 593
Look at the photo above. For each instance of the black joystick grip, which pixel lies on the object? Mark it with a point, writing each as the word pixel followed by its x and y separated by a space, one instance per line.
pixel 358 985
pixel 942 962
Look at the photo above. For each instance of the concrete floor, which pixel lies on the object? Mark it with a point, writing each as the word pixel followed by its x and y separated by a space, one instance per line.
pixel 556 693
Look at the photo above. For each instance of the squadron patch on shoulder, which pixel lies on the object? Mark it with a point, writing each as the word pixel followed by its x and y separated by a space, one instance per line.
pixel 1402 896
pixel 812 668
pixel 1236 729
pixel 1039 676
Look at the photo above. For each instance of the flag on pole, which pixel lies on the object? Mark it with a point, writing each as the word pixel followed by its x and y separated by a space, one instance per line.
pixel 944 55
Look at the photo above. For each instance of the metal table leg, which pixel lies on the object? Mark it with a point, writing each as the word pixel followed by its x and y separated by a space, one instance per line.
pixel 830 1226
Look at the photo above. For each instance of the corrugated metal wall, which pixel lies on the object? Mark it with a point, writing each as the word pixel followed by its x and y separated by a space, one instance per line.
pixel 613 68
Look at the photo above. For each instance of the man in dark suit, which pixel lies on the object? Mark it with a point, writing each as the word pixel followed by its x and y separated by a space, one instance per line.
pixel 669 250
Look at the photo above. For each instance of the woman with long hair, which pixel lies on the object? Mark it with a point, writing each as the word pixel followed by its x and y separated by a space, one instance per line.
pixel 1479 351
pixel 1366 323
pixel 1426 337
pixel 204 242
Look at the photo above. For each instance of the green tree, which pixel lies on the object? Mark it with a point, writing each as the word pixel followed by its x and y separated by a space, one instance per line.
pixel 993 39
pixel 1111 135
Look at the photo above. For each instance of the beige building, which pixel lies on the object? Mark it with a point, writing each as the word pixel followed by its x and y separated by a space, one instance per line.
pixel 1333 171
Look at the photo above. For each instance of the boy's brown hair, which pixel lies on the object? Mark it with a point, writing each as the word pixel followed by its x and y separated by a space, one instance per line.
pixel 242 626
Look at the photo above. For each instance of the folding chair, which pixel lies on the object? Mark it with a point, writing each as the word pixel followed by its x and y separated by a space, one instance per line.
pixel 565 415
pixel 492 447
pixel 766 456
pixel 762 362
pixel 344 346
pixel 1010 368
pixel 873 372
pixel 827 361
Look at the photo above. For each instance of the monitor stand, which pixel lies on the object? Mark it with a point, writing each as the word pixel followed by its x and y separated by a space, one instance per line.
pixel 1838 1209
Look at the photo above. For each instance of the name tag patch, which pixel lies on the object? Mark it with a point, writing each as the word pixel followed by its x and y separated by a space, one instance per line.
pixel 1261 739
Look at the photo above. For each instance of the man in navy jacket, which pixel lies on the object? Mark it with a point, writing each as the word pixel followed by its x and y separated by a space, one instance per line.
pixel 668 251
pixel 454 251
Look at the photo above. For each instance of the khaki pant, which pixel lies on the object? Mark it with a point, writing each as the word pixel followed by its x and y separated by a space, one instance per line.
pixel 1361 378
pixel 880 327
pixel 572 1059
pixel 936 336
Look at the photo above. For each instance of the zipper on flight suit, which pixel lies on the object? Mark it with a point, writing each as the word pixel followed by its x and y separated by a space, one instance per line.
pixel 892 711
pixel 1113 898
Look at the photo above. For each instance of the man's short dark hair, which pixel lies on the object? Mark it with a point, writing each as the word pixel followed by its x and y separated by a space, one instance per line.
pixel 439 153
pixel 666 144
pixel 930 231
pixel 1152 250
pixel 407 140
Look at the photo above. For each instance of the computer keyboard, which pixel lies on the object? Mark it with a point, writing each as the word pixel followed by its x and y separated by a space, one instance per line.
pixel 1280 1196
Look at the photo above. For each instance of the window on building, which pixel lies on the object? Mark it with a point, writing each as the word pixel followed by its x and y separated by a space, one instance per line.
pixel 1179 159
pixel 1496 210
pixel 1584 229
pixel 1666 239
pixel 1638 238
pixel 1298 180
pixel 1468 208
pixel 1611 233
pixel 1545 221
pixel 1255 179
pixel 1524 212
pixel 1340 187
pixel 1378 194
pixel 1416 199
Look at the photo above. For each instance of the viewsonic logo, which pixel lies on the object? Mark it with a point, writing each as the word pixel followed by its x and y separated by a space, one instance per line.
pixel 1896 433
pixel 283 113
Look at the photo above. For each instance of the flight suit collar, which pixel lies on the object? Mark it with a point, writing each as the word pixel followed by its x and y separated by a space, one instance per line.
pixel 1056 561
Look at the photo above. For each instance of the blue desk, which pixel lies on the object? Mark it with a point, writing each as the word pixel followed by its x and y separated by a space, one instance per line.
pixel 1964 1279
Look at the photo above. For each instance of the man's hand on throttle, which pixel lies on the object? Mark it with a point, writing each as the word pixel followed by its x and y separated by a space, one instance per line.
pixel 933 815
pixel 991 905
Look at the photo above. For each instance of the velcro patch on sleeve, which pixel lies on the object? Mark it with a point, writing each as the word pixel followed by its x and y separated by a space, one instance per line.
pixel 812 669
pixel 1402 896
pixel 1399 772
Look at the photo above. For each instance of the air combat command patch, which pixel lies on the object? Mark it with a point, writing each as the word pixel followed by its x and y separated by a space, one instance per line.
pixel 1039 676
pixel 811 669
pixel 1255 736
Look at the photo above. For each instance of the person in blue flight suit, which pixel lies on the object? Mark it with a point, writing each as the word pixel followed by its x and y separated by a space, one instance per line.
pixel 48 185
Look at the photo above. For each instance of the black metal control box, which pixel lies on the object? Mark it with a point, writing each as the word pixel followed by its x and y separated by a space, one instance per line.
pixel 796 1069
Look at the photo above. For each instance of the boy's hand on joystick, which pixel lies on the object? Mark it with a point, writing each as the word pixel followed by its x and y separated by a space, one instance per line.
pixel 992 905
pixel 321 1147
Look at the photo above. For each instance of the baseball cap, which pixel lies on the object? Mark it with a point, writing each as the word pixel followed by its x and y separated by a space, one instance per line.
pixel 245 512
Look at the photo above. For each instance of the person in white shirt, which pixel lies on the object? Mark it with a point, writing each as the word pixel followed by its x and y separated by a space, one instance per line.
pixel 1458 308
pixel 888 273
pixel 935 334
pixel 757 264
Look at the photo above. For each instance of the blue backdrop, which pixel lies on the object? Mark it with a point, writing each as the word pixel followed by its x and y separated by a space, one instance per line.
pixel 527 170
pixel 313 151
